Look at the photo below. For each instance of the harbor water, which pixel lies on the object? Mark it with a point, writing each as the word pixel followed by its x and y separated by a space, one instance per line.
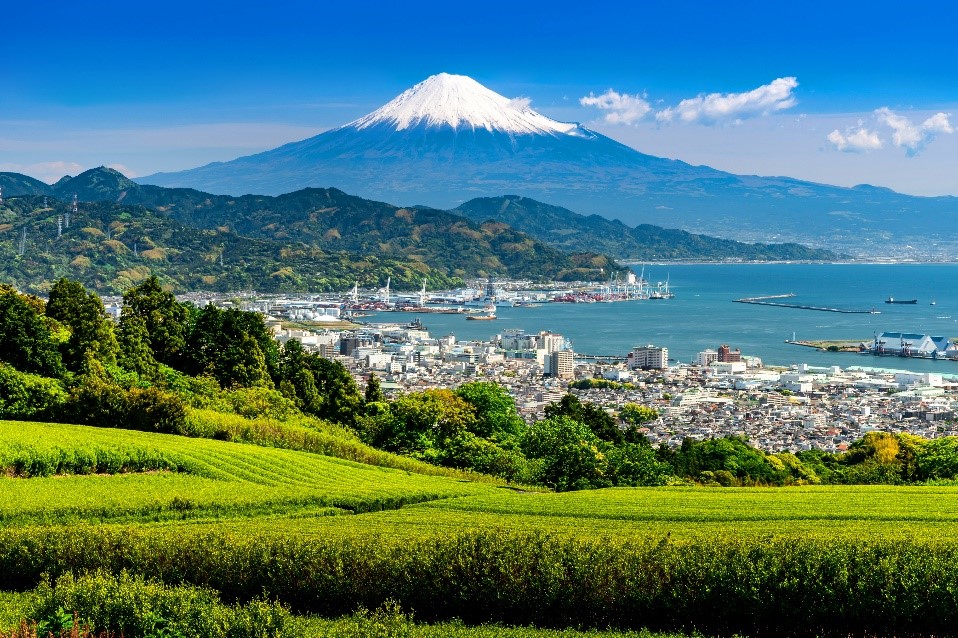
pixel 702 314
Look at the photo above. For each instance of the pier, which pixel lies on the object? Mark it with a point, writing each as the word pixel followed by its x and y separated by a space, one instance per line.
pixel 765 301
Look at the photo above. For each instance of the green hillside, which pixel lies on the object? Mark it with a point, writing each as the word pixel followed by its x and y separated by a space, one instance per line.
pixel 92 474
pixel 570 231
pixel 432 242
pixel 109 247
pixel 17 184
pixel 247 523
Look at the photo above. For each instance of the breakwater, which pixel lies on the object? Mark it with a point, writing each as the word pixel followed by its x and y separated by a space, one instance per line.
pixel 765 301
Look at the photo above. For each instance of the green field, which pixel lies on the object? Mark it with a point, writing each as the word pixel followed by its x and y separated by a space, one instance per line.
pixel 92 479
pixel 326 536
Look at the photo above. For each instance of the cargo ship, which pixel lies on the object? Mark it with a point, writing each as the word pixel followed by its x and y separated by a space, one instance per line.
pixel 901 301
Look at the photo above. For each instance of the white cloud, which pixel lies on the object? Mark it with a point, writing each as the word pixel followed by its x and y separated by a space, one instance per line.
pixel 855 140
pixel 622 108
pixel 938 123
pixel 44 171
pixel 910 136
pixel 520 103
pixel 716 108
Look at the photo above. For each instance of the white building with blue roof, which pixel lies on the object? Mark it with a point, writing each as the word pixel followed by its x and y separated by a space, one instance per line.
pixel 907 344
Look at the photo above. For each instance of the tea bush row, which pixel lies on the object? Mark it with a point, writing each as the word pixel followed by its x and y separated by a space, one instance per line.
pixel 765 586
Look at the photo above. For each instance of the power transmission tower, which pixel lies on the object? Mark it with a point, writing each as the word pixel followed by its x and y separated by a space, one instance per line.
pixel 23 241
pixel 73 210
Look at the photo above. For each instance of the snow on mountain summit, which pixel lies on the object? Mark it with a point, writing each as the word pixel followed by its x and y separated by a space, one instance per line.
pixel 460 102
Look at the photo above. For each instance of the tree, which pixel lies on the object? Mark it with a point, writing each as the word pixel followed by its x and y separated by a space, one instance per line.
pixel 733 454
pixel 135 353
pixel 28 396
pixel 636 464
pixel 938 459
pixel 597 419
pixel 496 414
pixel 227 345
pixel 374 392
pixel 166 319
pixel 568 453
pixel 636 414
pixel 26 342
pixel 319 386
pixel 431 418
pixel 425 424
pixel 297 380
pixel 90 328
pixel 340 400
pixel 909 448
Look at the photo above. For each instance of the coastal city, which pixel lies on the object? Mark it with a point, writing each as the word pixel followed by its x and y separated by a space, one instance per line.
pixel 720 392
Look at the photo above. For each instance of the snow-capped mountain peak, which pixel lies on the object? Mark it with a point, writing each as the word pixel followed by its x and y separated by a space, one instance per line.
pixel 460 102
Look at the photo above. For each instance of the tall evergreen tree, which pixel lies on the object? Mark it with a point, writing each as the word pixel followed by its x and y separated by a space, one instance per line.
pixel 298 382
pixel 228 344
pixel 90 328
pixel 374 391
pixel 166 320
pixel 135 353
pixel 25 340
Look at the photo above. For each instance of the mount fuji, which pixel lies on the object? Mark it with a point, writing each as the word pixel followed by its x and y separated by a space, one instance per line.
pixel 449 139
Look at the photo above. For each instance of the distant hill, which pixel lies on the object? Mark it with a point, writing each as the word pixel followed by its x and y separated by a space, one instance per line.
pixel 568 230
pixel 109 247
pixel 332 220
pixel 15 184
pixel 275 240
pixel 337 239
pixel 362 224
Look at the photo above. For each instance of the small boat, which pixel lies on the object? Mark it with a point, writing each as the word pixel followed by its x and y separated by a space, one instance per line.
pixel 933 302
pixel 488 317
pixel 901 301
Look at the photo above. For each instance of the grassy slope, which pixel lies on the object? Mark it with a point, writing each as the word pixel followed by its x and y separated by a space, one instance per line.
pixel 271 507
pixel 195 478
pixel 681 514
pixel 309 434
pixel 210 477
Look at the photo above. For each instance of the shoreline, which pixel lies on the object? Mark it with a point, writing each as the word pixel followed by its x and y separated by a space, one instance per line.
pixel 798 262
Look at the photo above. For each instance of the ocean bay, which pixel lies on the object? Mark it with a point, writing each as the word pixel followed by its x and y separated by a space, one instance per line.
pixel 702 314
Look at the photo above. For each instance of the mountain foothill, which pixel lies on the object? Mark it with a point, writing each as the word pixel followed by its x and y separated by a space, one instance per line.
pixel 314 239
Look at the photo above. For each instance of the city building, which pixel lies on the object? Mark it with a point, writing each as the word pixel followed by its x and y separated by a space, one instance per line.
pixel 561 365
pixel 649 358
pixel 727 355
pixel 706 357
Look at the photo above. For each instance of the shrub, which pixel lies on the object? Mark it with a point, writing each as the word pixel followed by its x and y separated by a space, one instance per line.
pixel 151 409
pixel 28 396
pixel 132 606
pixel 94 401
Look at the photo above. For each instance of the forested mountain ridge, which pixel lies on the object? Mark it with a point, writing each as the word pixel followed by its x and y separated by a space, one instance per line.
pixel 334 222
pixel 568 230
pixel 109 247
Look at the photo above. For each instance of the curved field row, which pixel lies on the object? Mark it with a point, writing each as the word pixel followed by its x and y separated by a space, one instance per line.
pixel 697 504
pixel 211 477
pixel 693 514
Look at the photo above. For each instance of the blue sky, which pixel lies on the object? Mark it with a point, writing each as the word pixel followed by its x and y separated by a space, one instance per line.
pixel 172 85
